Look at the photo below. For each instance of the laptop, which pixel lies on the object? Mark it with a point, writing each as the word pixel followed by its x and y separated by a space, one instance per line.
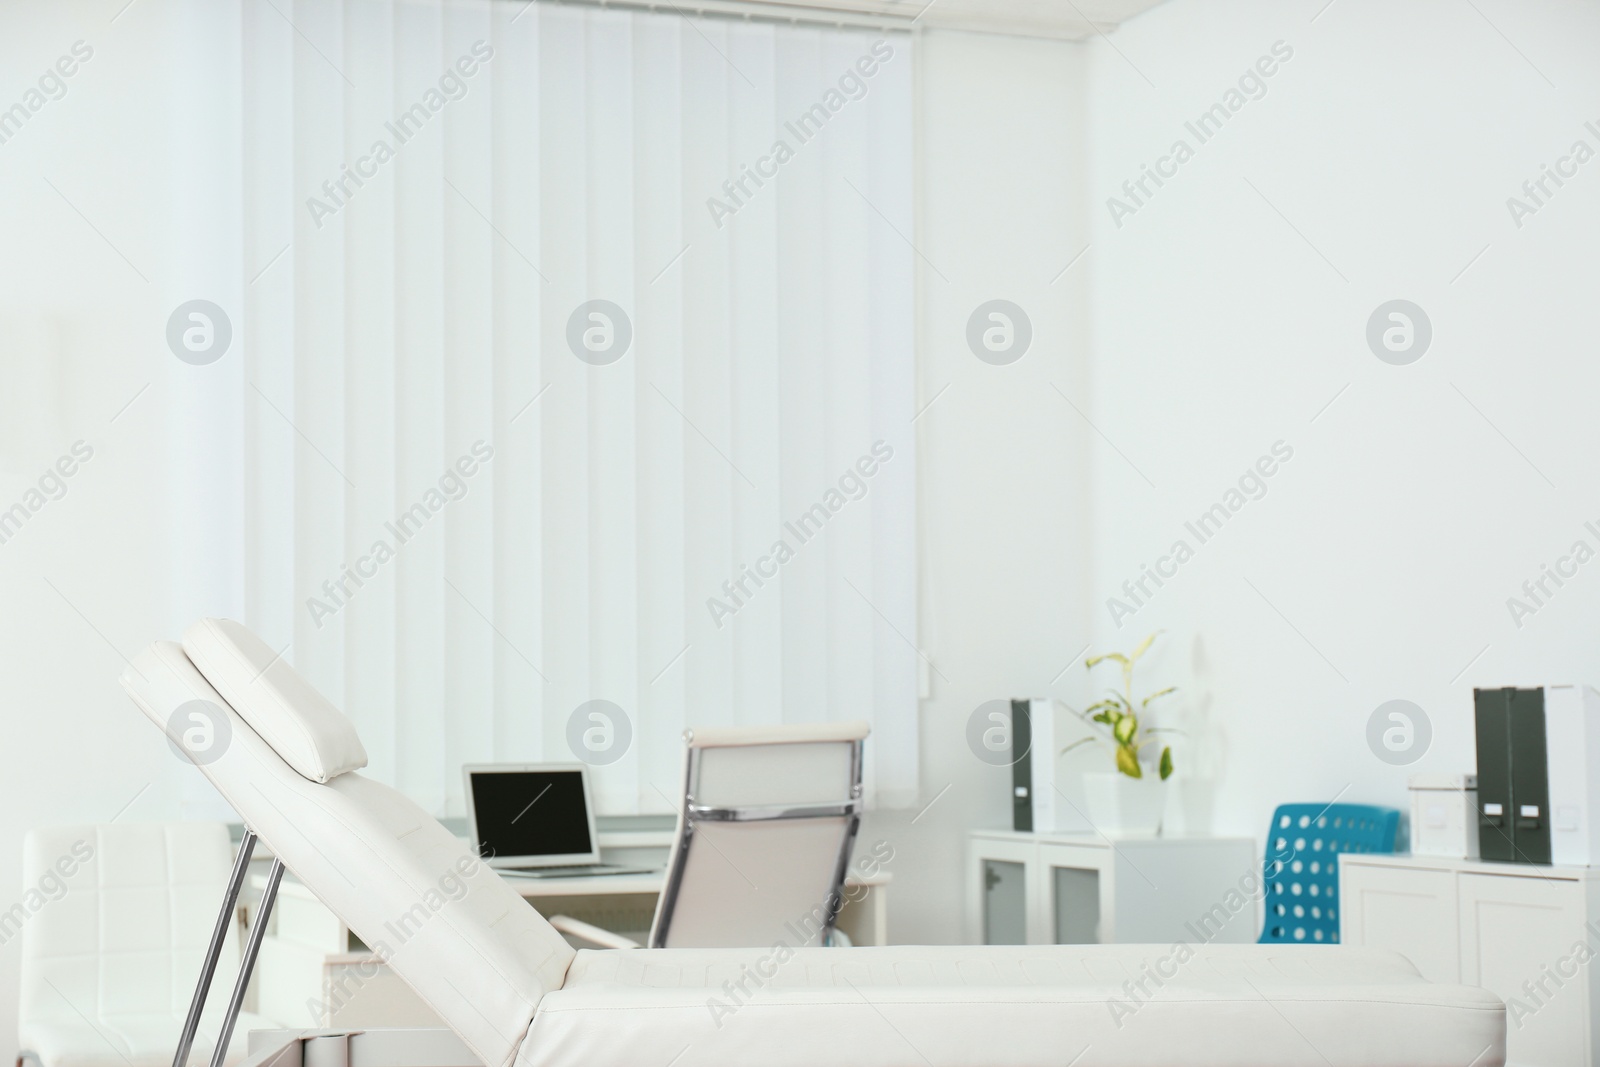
pixel 536 820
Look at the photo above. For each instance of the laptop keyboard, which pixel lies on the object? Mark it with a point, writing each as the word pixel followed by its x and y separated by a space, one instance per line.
pixel 576 871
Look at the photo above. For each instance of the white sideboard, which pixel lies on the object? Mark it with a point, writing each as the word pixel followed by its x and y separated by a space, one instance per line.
pixel 1070 888
pixel 1527 934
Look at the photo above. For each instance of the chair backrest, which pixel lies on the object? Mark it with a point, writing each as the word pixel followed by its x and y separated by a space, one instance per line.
pixel 768 819
pixel 119 918
pixel 469 945
pixel 1300 873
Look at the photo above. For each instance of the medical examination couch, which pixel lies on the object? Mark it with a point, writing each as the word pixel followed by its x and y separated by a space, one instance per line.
pixel 514 992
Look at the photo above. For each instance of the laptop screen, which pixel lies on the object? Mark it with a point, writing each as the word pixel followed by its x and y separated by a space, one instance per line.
pixel 532 814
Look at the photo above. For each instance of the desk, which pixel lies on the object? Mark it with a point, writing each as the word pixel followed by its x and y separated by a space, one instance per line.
pixel 313 971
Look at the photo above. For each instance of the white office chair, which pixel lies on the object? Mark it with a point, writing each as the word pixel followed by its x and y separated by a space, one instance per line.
pixel 768 818
pixel 109 958
pixel 517 995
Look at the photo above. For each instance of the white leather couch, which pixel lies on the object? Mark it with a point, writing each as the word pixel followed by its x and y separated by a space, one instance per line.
pixel 515 992
pixel 109 966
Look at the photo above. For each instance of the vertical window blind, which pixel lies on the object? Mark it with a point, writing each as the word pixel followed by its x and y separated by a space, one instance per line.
pixel 581 370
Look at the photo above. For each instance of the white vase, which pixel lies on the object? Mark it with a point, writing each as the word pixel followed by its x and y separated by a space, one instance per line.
pixel 1120 806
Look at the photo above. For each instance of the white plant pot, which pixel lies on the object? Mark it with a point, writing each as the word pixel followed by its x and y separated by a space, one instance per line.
pixel 1120 806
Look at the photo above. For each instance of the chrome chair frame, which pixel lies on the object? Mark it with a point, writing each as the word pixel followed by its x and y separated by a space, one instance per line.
pixel 247 963
pixel 693 814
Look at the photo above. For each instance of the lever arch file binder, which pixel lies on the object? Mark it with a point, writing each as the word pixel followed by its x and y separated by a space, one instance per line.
pixel 1538 753
pixel 1492 721
pixel 1529 810
pixel 1021 768
pixel 1033 735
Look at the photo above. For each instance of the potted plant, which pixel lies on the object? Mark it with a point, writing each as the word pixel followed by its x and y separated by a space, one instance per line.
pixel 1129 799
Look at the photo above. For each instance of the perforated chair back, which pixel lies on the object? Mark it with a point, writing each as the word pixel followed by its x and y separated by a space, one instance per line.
pixel 1301 870
pixel 768 819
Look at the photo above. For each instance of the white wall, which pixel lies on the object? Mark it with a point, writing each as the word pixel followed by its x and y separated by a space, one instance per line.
pixel 1379 563
pixel 1003 535
pixel 145 527
pixel 145 143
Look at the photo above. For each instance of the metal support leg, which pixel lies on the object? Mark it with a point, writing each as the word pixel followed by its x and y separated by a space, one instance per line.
pixel 252 948
pixel 208 968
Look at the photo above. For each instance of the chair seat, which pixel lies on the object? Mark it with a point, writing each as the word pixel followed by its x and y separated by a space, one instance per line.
pixel 128 1040
pixel 1221 1005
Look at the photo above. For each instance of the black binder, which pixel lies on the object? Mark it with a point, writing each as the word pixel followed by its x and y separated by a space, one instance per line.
pixel 1491 710
pixel 1513 776
pixel 1021 767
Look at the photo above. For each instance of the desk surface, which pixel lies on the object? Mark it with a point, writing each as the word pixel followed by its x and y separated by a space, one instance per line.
pixel 591 886
pixel 1095 839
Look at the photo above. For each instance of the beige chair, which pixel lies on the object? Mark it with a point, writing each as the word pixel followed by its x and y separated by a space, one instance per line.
pixel 126 913
pixel 765 829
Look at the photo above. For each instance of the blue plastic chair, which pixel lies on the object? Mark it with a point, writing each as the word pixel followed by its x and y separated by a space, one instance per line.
pixel 1301 870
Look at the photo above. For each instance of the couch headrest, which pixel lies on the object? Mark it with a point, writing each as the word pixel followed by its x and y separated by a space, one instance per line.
pixel 301 724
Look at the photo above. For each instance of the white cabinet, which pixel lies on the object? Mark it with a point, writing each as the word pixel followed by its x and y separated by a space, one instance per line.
pixel 1527 934
pixel 1516 931
pixel 1067 889
pixel 1410 910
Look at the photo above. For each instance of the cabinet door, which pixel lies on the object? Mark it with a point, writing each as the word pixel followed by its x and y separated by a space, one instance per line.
pixel 1074 893
pixel 1517 930
pixel 1005 902
pixel 1409 910
pixel 1000 874
pixel 1075 903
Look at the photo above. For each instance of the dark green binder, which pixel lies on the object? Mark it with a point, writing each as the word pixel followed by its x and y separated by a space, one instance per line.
pixel 1530 777
pixel 1513 776
pixel 1021 767
pixel 1491 709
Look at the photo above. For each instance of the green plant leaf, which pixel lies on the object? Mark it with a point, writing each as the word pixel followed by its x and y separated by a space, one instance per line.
pixel 1144 646
pixel 1124 729
pixel 1158 693
pixel 1079 741
pixel 1085 714
pixel 1115 657
pixel 1166 764
pixel 1128 762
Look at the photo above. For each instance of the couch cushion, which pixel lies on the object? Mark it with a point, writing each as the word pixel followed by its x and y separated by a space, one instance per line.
pixel 288 712
pixel 1218 1006
pixel 132 1040
pixel 126 938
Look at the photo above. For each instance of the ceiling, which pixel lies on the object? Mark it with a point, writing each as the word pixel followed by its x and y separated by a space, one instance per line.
pixel 1069 19
pixel 1062 19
